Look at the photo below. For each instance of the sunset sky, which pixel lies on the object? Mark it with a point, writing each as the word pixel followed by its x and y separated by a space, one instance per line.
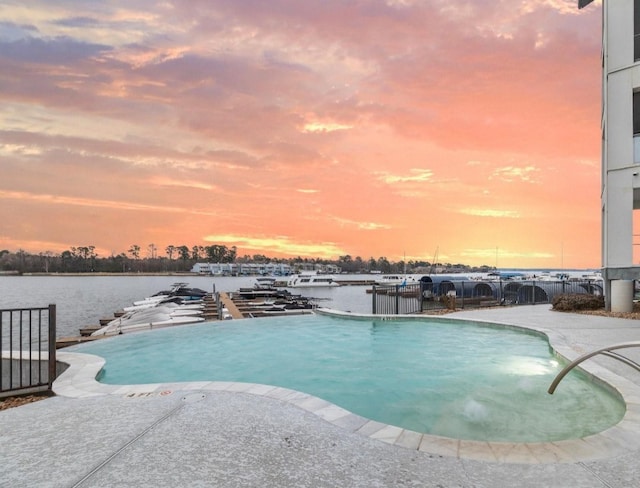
pixel 313 128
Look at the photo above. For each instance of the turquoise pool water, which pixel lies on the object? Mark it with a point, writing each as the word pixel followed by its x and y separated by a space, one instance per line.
pixel 455 379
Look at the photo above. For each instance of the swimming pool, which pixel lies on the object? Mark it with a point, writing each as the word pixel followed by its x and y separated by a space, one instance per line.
pixel 456 379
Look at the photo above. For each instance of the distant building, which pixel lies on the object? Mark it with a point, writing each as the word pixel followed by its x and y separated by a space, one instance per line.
pixel 252 269
pixel 243 269
pixel 620 146
pixel 317 268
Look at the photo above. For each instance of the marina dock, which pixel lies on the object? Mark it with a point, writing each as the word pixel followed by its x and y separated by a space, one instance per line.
pixel 209 312
pixel 229 304
pixel 216 306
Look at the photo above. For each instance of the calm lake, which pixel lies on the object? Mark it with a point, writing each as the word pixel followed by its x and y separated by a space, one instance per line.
pixel 84 300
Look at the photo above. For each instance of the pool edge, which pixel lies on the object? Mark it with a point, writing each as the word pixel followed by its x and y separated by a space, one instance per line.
pixel 79 381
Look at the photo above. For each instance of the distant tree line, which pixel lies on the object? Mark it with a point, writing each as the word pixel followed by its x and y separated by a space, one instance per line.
pixel 84 259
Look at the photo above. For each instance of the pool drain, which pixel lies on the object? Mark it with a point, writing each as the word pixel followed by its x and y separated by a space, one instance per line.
pixel 193 397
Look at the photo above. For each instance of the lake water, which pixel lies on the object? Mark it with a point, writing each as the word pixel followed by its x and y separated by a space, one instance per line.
pixel 83 300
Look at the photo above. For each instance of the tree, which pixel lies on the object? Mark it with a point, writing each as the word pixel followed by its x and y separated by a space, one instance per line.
pixel 184 253
pixel 384 265
pixel 134 251
pixel 83 258
pixel 346 262
pixel 45 259
pixel 170 249
pixel 152 250
pixel 216 253
pixel 118 264
pixel 196 252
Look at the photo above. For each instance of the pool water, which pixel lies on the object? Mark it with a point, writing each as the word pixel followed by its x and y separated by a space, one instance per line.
pixel 456 379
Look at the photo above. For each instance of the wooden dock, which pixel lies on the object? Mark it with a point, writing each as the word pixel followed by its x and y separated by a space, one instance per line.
pixel 228 303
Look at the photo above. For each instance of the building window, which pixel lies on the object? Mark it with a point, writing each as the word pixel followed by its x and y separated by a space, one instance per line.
pixel 636 30
pixel 636 113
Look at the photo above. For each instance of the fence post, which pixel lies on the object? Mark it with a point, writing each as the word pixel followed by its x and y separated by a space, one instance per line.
pixel 533 292
pixel 373 303
pixel 52 345
pixel 397 299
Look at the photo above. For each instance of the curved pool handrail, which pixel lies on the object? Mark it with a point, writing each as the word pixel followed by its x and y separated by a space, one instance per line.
pixel 605 351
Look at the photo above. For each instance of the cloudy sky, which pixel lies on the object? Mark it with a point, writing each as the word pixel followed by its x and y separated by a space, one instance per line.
pixel 314 128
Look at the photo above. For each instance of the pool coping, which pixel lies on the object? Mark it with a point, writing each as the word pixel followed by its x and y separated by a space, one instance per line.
pixel 79 381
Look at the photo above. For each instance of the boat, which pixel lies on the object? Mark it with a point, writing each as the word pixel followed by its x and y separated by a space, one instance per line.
pixel 178 305
pixel 180 290
pixel 395 279
pixel 265 283
pixel 169 302
pixel 142 315
pixel 264 287
pixel 149 322
pixel 311 280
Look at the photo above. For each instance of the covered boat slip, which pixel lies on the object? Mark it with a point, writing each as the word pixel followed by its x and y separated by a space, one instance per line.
pixel 459 292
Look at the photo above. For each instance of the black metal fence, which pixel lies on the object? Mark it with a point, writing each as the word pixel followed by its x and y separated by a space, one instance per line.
pixel 28 349
pixel 432 293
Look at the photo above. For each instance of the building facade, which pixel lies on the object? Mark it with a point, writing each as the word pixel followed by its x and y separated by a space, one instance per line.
pixel 257 269
pixel 242 269
pixel 620 192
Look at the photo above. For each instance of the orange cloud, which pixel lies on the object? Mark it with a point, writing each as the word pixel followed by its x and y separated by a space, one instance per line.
pixel 279 245
pixel 364 128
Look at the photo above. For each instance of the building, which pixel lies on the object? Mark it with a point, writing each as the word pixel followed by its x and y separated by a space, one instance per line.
pixel 253 269
pixel 242 269
pixel 620 150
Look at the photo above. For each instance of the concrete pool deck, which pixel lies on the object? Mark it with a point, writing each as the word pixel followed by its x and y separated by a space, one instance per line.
pixel 232 434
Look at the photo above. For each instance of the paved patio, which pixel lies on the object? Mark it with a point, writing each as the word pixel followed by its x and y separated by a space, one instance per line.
pixel 241 435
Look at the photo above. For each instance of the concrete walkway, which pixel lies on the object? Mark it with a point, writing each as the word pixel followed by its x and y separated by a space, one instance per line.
pixel 240 435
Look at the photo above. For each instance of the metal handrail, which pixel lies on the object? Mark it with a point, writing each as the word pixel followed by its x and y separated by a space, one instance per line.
pixel 605 351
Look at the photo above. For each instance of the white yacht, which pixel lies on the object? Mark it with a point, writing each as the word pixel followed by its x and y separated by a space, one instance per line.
pixel 311 280
pixel 395 279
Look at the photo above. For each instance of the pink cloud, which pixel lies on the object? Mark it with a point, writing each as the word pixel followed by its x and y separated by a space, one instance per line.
pixel 214 99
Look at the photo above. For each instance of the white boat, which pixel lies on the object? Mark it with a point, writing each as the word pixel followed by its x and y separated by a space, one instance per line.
pixel 311 280
pixel 593 276
pixel 143 315
pixel 395 279
pixel 265 283
pixel 177 290
pixel 150 322
pixel 184 306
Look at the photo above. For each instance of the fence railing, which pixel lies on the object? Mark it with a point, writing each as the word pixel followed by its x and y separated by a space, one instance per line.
pixel 453 294
pixel 396 299
pixel 28 350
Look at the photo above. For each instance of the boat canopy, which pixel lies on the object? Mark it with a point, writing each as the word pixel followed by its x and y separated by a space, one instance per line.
pixel 441 278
